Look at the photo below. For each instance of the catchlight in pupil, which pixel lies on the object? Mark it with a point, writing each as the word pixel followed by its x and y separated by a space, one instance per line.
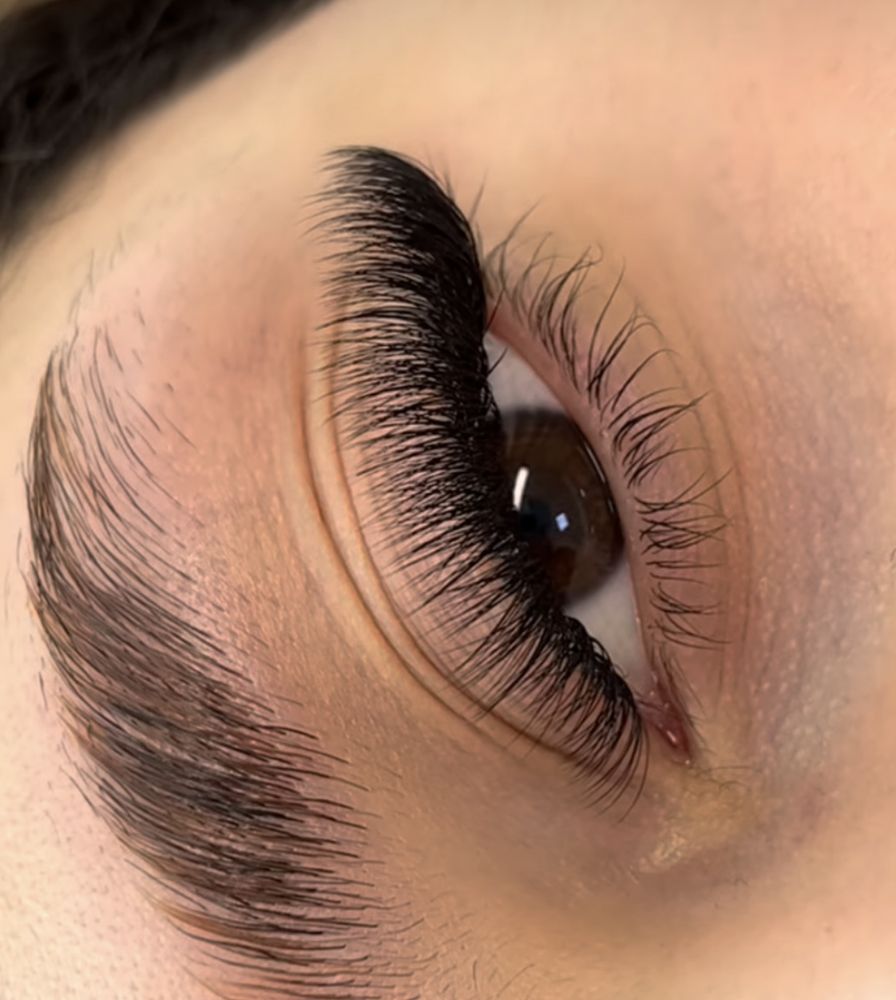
pixel 565 512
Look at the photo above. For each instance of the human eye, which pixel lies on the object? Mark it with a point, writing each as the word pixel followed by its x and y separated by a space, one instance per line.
pixel 531 472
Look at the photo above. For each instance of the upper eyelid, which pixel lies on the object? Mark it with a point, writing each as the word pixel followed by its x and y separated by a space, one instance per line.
pixel 406 318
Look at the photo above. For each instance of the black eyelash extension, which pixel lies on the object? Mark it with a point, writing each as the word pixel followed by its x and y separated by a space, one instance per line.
pixel 407 317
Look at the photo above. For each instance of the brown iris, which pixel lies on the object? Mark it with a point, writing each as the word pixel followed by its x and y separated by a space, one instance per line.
pixel 565 512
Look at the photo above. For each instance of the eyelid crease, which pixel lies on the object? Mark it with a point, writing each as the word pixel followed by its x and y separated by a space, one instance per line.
pixel 407 313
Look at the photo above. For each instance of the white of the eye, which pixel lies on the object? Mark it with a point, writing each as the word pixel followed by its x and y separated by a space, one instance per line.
pixel 610 613
pixel 513 383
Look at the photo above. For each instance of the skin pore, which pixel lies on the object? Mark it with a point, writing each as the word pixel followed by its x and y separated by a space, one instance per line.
pixel 737 158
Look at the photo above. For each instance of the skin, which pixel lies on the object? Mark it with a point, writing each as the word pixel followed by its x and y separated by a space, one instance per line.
pixel 739 159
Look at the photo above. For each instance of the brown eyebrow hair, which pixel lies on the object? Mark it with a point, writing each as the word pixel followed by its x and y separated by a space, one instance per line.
pixel 72 72
pixel 243 824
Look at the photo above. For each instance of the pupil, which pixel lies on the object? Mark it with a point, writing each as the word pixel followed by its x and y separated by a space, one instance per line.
pixel 565 512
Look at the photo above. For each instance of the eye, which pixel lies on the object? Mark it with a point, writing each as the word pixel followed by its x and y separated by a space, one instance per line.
pixel 565 510
pixel 566 514
pixel 485 509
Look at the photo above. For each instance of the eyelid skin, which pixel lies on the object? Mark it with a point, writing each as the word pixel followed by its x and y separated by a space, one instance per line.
pixel 410 387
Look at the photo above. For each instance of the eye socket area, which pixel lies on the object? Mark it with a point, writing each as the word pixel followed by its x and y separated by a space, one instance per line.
pixel 422 452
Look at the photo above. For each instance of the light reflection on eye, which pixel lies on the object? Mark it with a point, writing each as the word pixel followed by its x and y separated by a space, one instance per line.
pixel 567 513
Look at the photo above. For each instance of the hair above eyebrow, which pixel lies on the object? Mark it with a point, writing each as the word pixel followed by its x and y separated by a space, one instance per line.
pixel 240 819
pixel 74 71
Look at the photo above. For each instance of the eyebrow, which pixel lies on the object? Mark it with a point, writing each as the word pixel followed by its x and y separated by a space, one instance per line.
pixel 243 823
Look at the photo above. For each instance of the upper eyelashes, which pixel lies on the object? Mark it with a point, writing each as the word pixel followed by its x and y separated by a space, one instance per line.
pixel 408 304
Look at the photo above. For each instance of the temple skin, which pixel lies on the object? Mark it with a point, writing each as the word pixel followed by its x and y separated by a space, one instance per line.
pixel 738 158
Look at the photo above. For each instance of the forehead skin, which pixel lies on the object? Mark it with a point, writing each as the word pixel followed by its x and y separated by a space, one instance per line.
pixel 739 158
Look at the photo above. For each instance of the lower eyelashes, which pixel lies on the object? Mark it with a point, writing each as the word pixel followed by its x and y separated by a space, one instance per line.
pixel 486 589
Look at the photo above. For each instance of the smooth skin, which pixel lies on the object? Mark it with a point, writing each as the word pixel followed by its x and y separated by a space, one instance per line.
pixel 739 158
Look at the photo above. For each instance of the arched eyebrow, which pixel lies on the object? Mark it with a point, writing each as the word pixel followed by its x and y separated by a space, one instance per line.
pixel 243 824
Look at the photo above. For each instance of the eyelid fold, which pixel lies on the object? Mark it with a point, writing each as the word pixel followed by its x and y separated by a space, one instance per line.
pixel 408 381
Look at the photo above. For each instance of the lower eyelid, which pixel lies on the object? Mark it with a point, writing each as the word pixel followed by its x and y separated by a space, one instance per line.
pixel 647 428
